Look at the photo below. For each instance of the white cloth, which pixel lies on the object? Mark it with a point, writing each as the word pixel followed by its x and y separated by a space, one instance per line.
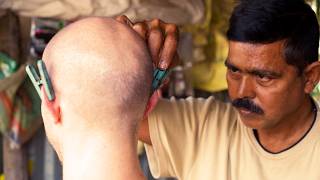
pixel 175 11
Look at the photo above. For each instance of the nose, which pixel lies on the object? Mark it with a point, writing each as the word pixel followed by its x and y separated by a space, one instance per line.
pixel 246 88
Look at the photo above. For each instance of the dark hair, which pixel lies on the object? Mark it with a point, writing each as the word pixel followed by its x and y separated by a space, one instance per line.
pixel 267 21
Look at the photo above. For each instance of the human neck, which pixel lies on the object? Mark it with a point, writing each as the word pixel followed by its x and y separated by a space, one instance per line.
pixel 101 155
pixel 289 131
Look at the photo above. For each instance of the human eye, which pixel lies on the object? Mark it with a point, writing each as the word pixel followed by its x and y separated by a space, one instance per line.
pixel 233 69
pixel 233 72
pixel 264 79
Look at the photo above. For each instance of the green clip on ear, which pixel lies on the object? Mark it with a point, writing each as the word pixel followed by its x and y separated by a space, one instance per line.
pixel 45 80
pixel 158 76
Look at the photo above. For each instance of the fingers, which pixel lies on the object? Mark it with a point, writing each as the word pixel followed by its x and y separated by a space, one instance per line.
pixel 163 42
pixel 124 20
pixel 141 29
pixel 155 40
pixel 162 39
pixel 169 46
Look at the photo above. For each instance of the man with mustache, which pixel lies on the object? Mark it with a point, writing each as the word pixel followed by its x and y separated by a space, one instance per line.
pixel 272 131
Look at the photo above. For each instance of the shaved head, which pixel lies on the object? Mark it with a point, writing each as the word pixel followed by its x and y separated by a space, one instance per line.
pixel 101 72
pixel 100 69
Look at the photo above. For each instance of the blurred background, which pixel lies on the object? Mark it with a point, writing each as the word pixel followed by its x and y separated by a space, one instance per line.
pixel 26 26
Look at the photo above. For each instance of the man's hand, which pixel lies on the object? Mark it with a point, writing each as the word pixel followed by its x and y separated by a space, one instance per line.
pixel 161 38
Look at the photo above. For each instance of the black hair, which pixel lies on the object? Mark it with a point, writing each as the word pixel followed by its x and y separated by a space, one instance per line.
pixel 267 21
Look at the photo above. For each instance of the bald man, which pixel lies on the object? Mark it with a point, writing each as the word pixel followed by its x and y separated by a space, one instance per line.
pixel 99 69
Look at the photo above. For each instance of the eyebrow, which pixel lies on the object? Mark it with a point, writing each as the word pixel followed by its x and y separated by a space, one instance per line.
pixel 230 66
pixel 257 72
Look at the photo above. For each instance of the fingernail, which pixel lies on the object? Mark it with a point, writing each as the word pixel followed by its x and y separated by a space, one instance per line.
pixel 162 65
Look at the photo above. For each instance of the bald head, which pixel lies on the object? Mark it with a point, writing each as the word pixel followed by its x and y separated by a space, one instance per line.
pixel 99 68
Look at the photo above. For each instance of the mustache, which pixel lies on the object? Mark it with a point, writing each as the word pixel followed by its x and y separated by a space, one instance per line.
pixel 248 105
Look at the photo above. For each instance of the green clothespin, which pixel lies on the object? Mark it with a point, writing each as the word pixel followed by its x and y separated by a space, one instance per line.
pixel 44 79
pixel 159 75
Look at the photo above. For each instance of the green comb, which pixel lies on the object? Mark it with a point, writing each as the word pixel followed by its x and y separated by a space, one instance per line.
pixel 159 75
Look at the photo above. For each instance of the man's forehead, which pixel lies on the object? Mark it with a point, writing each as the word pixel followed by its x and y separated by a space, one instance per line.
pixel 257 56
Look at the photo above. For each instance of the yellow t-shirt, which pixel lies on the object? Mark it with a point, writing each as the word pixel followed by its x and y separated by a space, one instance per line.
pixel 203 139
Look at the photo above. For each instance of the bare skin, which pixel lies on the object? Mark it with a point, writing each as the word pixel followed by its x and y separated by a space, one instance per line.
pixel 259 72
pixel 162 39
pixel 100 69
pixel 286 100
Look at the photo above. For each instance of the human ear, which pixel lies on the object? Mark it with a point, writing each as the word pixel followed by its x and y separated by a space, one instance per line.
pixel 51 116
pixel 312 76
pixel 50 109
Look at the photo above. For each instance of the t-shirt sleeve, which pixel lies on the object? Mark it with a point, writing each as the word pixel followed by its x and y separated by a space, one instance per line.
pixel 176 127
